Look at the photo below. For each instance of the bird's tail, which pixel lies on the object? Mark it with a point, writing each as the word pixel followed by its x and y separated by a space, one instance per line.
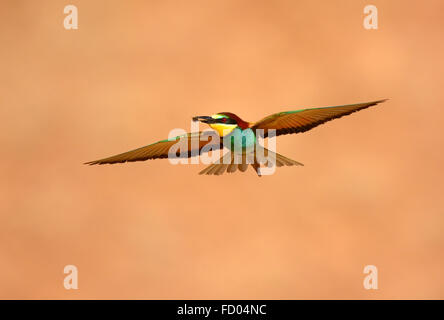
pixel 228 164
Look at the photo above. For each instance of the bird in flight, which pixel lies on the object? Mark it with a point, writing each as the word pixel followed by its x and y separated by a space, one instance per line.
pixel 227 125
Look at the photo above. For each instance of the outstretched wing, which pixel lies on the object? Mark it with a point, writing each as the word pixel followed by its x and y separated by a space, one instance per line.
pixel 195 142
pixel 306 119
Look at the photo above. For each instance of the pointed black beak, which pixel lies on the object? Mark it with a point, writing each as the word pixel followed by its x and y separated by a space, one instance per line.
pixel 204 119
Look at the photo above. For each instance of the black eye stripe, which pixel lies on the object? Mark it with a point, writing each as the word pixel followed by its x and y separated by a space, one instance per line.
pixel 227 121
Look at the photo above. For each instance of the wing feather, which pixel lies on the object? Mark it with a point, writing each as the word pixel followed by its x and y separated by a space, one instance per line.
pixel 306 119
pixel 161 148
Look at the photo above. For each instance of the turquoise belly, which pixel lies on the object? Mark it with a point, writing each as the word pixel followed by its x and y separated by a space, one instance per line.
pixel 241 140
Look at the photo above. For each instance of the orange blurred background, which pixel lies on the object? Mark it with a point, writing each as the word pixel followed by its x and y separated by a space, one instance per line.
pixel 369 193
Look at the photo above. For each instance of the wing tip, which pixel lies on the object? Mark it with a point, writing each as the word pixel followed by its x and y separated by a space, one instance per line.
pixel 380 101
pixel 91 163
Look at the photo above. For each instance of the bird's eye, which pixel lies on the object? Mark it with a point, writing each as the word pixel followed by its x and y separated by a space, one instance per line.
pixel 224 120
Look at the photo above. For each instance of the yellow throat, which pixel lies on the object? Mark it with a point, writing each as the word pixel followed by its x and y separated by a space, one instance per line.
pixel 223 129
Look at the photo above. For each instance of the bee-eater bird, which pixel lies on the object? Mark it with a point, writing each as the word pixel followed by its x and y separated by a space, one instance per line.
pixel 227 124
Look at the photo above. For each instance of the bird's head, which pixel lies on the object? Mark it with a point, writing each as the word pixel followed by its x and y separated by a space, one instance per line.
pixel 224 123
